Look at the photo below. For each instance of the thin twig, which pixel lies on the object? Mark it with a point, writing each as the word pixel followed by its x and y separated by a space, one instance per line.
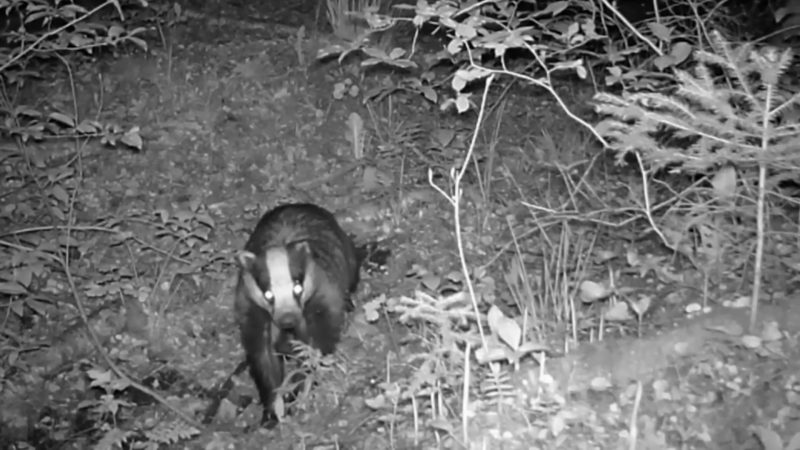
pixel 455 201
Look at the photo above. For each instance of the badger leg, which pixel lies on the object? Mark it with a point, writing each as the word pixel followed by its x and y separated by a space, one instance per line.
pixel 285 350
pixel 266 367
pixel 321 325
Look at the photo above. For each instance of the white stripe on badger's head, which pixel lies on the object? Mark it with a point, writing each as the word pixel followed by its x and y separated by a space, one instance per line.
pixel 284 290
pixel 280 281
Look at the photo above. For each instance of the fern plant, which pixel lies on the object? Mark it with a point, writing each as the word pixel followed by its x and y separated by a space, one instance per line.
pixel 730 112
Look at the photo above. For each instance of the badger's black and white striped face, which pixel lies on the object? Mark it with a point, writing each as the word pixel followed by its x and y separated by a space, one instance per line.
pixel 278 281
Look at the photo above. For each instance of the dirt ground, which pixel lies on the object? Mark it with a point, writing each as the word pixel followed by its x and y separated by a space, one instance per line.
pixel 237 117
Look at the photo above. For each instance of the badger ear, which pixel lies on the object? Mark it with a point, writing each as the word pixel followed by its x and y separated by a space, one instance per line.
pixel 252 291
pixel 245 259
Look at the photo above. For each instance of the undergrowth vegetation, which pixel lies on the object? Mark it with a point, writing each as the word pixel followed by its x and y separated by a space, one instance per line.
pixel 702 116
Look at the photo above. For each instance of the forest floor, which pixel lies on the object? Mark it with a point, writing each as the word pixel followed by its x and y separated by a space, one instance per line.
pixel 237 117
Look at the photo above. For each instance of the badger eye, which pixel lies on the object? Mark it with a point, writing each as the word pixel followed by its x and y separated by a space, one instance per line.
pixel 269 296
pixel 297 289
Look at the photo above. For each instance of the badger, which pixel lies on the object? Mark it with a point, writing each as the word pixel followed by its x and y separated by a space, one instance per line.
pixel 297 274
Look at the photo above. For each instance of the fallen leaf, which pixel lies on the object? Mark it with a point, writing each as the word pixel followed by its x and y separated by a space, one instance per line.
pixel 728 327
pixel 557 425
pixel 642 305
pixel 771 332
pixel 769 439
pixel 751 342
pixel 504 327
pixel 602 256
pixel 740 302
pixel 794 443
pixel 376 403
pixel 431 281
pixel 674 298
pixel 619 312
pixel 632 257
pixel 724 182
pixel 600 384
pixel 591 292
pixel 692 308
pixel 441 424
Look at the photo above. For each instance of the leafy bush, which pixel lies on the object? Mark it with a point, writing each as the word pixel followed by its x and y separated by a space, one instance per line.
pixel 40 36
pixel 45 35
pixel 735 125
pixel 728 113
pixel 710 121
pixel 45 244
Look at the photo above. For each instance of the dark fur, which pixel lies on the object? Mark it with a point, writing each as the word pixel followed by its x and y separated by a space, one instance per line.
pixel 308 232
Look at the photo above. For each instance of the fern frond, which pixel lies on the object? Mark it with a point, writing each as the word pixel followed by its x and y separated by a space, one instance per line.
pixel 166 433
pixel 497 386
pixel 708 120
pixel 113 439
pixel 771 64
pixel 733 61
pixel 786 103
pixel 723 55
pixel 701 90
